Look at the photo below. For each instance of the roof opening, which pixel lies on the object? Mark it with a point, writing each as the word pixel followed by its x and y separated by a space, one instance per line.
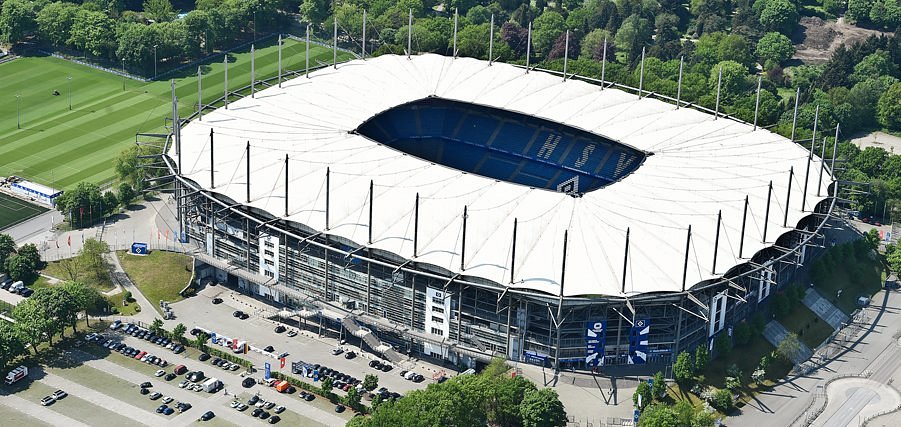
pixel 503 145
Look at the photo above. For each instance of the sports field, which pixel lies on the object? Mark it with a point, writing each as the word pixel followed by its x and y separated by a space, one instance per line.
pixel 14 211
pixel 61 147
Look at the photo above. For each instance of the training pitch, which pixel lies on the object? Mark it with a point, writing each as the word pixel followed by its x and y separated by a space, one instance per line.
pixel 44 141
pixel 14 211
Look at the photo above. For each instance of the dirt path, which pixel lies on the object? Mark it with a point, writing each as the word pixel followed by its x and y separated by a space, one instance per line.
pixel 887 142
pixel 815 39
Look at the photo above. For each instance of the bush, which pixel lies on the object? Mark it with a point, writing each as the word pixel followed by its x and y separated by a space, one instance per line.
pixel 723 344
pixel 722 400
pixel 742 333
pixel 781 305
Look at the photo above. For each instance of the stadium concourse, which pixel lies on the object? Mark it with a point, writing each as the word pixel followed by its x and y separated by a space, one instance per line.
pixel 459 209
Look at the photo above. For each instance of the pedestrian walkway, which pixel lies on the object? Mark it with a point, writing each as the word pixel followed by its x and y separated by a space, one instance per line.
pixel 824 309
pixel 774 332
pixel 37 411
pixel 117 273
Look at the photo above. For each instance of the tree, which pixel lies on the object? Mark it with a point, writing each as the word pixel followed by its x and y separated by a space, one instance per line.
pixel 542 408
pixel 658 415
pixel 859 10
pixel 19 268
pixel 723 344
pixel 126 194
pixel 88 299
pixel 7 248
pixel 55 22
pixel 17 19
pixel 658 390
pixel 11 343
pixel 326 385
pixel 30 253
pixel 702 357
pixel 888 109
pixel 779 15
pixel 874 65
pixel 789 348
pixel 72 267
pixel 734 78
pixel 314 10
pixel 92 32
pixel 353 397
pixel 110 202
pixel 593 45
pixel 91 254
pixel 683 371
pixel 178 332
pixel 560 47
pixel 545 31
pixel 633 34
pixel 775 47
pixel 370 382
pixel 159 10
pixel 200 341
pixel 643 395
pixel 81 204
pixel 742 333
pixel 156 326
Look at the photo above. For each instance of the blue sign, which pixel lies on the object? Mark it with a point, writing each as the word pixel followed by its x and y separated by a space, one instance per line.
pixel 139 248
pixel 535 358
pixel 635 415
pixel 266 377
pixel 213 338
pixel 638 342
pixel 651 382
pixel 595 341
pixel 316 375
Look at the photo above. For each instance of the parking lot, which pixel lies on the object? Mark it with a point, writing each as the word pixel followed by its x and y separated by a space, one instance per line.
pixel 307 347
pixel 104 387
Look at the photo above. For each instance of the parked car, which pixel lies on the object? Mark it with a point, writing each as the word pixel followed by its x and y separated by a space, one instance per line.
pixel 145 391
pixel 203 357
pixel 264 415
pixel 279 329
pixel 274 419
pixel 208 415
pixel 248 382
pixel 269 348
pixel 350 355
pixel 160 373
pixel 256 412
pixel 155 395
pixel 217 300
pixel 168 399
pixel 59 394
pixel 339 408
pixel 47 400
pixel 146 384
pixel 337 351
pixel 238 313
pixel 183 384
pixel 291 333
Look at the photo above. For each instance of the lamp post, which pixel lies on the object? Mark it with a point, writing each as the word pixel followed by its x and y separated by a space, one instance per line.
pixel 69 80
pixel 154 61
pixel 18 121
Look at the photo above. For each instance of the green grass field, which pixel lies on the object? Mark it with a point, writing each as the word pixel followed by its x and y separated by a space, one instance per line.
pixel 14 211
pixel 59 147
pixel 160 276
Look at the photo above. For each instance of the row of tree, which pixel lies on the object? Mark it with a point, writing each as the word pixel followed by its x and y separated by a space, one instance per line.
pixel 19 263
pixel 48 312
pixel 153 30
pixel 492 397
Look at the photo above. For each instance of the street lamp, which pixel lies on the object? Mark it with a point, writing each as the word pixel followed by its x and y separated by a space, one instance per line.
pixel 154 61
pixel 18 122
pixel 69 79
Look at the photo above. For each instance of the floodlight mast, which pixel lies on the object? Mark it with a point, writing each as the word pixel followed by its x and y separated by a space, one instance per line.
pixel 225 64
pixel 287 180
pixel 813 141
pixel 252 70
pixel 685 264
pixel 308 51
pixel 279 60
pixel 744 223
pixel 363 56
pixel 626 260
pixel 335 45
pixel 247 153
pixel 410 34
pixel 679 85
pixel 795 115
pixel 766 216
pixel 788 196
pixel 463 248
pixel 565 54
pixel 528 47
pixel 641 73
pixel 719 82
pixel 455 33
pixel 491 42
pixel 757 104
pixel 604 64
pixel 716 241
pixel 199 95
pixel 513 251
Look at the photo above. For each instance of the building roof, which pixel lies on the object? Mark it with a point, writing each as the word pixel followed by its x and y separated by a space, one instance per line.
pixel 700 166
pixel 38 188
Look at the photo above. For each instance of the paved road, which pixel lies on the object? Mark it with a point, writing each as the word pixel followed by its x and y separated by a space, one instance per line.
pixel 35 410
pixel 138 415
pixel 858 399
pixel 148 310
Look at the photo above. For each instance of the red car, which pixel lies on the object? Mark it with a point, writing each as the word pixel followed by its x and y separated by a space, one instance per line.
pixel 140 355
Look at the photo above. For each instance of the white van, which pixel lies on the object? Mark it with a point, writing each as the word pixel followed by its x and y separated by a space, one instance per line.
pixel 16 287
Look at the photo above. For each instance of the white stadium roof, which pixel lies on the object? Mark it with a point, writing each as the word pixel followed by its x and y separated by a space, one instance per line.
pixel 699 166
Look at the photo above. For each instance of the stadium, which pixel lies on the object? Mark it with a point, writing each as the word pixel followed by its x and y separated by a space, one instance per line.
pixel 462 209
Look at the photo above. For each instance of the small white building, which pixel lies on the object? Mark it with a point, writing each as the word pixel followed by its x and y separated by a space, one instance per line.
pixel 37 192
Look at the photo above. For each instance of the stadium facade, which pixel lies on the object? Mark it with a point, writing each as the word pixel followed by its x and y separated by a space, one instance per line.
pixel 459 209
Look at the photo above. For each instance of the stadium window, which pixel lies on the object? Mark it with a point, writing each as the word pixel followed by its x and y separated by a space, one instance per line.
pixel 269 273
pixel 436 300
pixel 437 319
pixel 438 309
pixel 269 253
pixel 269 244
pixel 436 331
pixel 268 262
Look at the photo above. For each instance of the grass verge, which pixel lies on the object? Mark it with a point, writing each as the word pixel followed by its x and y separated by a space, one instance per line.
pixel 160 276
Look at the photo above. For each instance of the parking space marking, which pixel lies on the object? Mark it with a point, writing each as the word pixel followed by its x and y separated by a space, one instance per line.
pixel 138 415
pixel 39 412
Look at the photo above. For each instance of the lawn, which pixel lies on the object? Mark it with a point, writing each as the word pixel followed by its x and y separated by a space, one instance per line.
pixel 14 211
pixel 160 276
pixel 124 310
pixel 55 269
pixel 60 147
pixel 851 268
pixel 811 330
